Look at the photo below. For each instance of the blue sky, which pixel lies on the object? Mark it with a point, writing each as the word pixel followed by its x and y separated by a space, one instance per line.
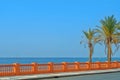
pixel 51 28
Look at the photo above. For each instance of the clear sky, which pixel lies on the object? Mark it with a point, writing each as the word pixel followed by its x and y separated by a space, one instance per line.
pixel 51 28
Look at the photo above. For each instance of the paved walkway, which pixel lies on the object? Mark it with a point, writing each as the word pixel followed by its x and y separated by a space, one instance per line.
pixel 103 76
pixel 55 75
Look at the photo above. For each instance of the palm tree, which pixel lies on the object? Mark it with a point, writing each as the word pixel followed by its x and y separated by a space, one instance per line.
pixel 109 34
pixel 90 41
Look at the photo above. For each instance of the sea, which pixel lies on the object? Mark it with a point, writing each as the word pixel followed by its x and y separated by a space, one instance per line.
pixel 46 60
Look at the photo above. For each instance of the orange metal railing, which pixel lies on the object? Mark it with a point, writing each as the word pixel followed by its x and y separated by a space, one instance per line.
pixel 35 68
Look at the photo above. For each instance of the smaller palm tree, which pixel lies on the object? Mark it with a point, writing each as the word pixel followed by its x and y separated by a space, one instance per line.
pixel 90 42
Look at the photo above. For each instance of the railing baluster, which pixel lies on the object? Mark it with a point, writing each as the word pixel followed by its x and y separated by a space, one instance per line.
pixel 64 66
pixel 89 65
pixel 16 68
pixel 35 68
pixel 50 66
pixel 98 65
pixel 77 66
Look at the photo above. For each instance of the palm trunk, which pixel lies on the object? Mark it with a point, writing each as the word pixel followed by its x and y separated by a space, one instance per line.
pixel 109 52
pixel 91 51
pixel 90 56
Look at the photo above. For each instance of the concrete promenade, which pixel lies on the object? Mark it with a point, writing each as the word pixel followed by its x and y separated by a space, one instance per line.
pixel 56 75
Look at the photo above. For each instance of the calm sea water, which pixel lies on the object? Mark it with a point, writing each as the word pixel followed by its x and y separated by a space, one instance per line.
pixel 46 60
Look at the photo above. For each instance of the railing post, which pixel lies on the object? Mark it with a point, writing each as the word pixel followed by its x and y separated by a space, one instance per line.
pixel 89 65
pixel 98 65
pixel 77 66
pixel 50 66
pixel 108 64
pixel 64 66
pixel 116 62
pixel 34 67
pixel 16 68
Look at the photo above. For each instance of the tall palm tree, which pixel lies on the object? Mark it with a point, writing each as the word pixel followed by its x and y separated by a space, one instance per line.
pixel 109 34
pixel 90 41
